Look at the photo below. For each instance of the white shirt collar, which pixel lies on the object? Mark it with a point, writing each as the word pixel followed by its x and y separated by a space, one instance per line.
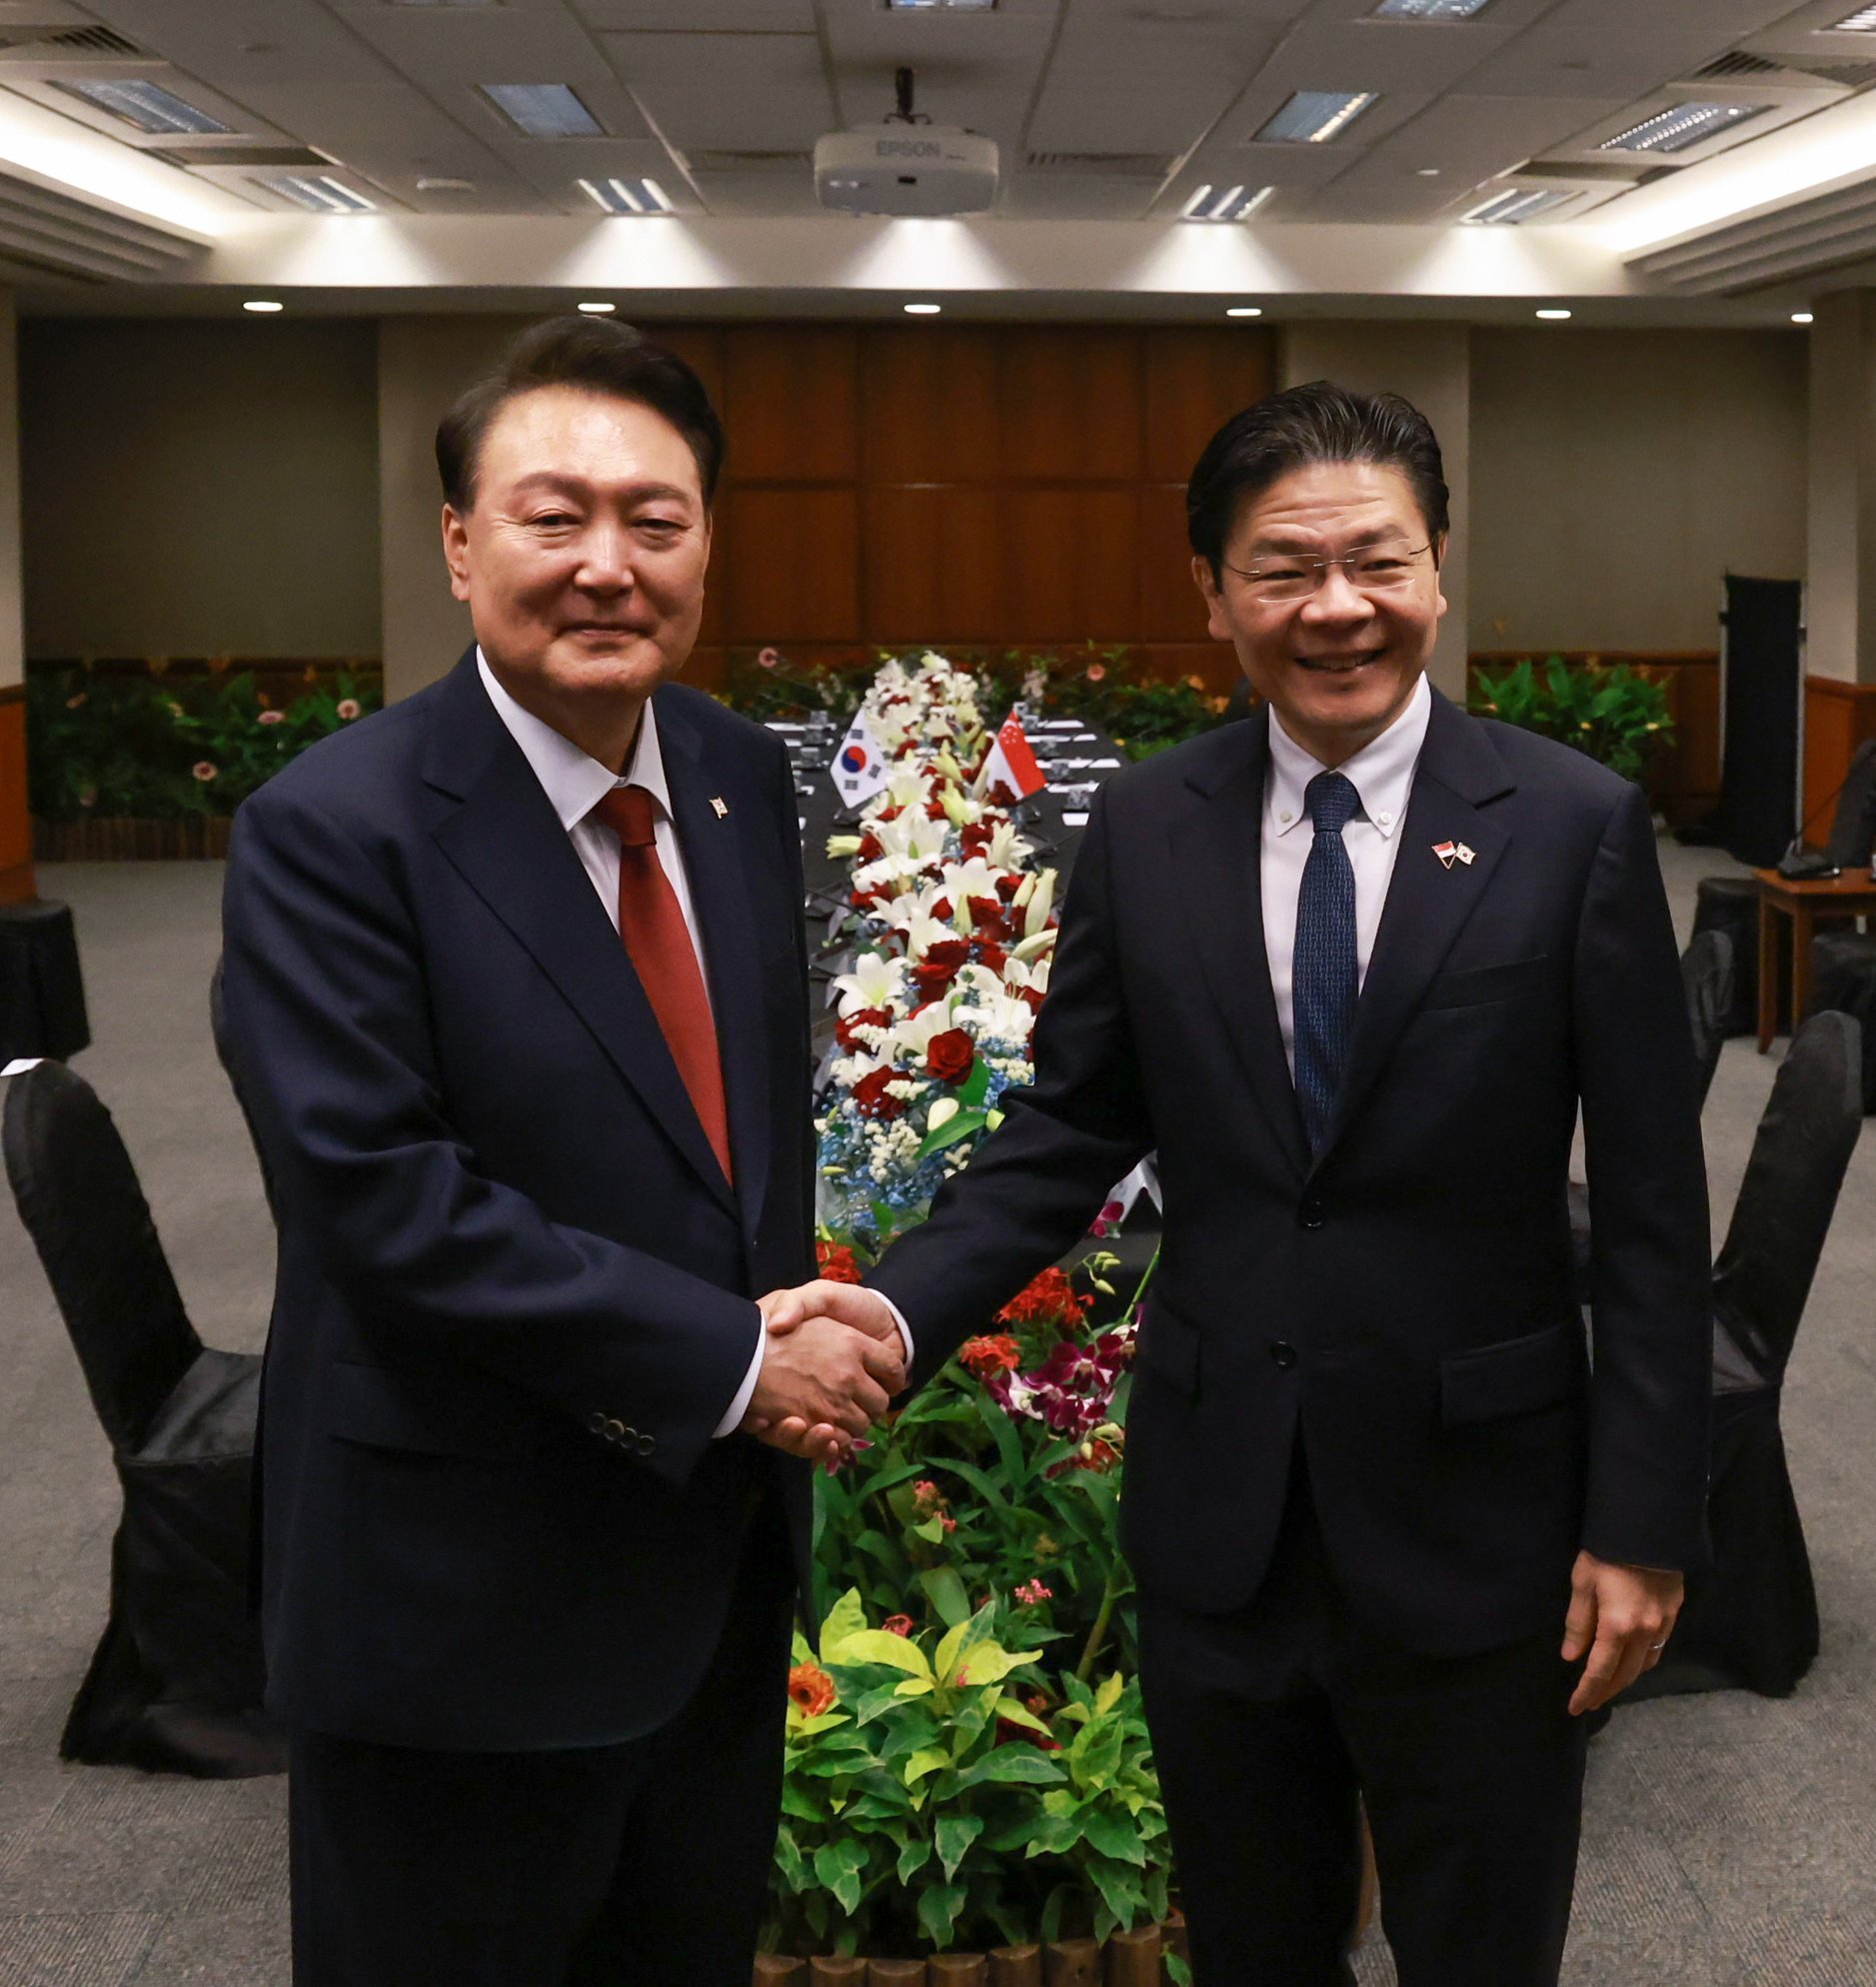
pixel 574 782
pixel 1383 771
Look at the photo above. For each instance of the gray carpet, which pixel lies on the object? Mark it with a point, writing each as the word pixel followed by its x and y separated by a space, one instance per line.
pixel 1731 1843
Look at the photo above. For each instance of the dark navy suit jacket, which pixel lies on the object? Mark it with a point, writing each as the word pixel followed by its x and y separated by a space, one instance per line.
pixel 514 1295
pixel 1402 1302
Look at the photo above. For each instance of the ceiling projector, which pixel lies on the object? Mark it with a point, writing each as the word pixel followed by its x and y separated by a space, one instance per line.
pixel 905 165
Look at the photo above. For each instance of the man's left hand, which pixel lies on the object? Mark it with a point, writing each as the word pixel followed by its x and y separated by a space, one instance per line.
pixel 1621 1618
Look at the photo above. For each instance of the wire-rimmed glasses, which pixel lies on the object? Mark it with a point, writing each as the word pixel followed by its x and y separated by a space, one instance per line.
pixel 1386 567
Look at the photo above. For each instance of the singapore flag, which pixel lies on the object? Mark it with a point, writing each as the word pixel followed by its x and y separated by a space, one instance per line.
pixel 860 767
pixel 1010 765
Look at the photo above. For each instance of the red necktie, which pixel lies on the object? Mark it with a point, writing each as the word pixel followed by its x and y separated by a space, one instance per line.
pixel 659 942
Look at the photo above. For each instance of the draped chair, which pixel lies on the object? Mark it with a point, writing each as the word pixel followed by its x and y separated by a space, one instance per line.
pixel 175 1683
pixel 1751 1619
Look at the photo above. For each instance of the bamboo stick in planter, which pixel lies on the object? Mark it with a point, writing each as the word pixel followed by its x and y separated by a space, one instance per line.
pixel 896 1973
pixel 1016 1966
pixel 1071 1963
pixel 774 1969
pixel 958 1969
pixel 833 1972
pixel 1133 1958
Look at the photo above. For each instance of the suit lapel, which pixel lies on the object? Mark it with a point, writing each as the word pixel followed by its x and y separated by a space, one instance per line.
pixel 713 859
pixel 506 843
pixel 1428 902
pixel 1218 852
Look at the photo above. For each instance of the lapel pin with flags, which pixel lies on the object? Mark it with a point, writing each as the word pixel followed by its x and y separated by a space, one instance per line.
pixel 1464 853
pixel 1447 852
pixel 721 806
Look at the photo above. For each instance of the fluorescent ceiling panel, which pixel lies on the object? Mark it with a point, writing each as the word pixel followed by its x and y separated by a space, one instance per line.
pixel 627 196
pixel 1508 209
pixel 1862 22
pixel 1232 204
pixel 933 6
pixel 1314 117
pixel 1683 126
pixel 318 193
pixel 149 106
pixel 543 110
pixel 1427 10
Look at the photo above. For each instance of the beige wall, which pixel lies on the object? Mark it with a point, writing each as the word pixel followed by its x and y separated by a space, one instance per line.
pixel 423 362
pixel 1618 475
pixel 1430 364
pixel 1840 598
pixel 12 631
pixel 197 487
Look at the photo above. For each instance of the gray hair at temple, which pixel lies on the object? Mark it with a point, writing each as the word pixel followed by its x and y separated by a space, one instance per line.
pixel 1318 423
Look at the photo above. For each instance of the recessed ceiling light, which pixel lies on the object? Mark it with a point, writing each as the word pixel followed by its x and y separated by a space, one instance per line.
pixel 262 307
pixel 598 310
pixel 1427 10
pixel 1314 117
pixel 318 193
pixel 1675 130
pixel 1805 317
pixel 543 110
pixel 150 108
pixel 1862 22
pixel 1555 316
pixel 1519 204
pixel 627 196
pixel 1233 204
pixel 1427 172
pixel 431 182
pixel 922 310
pixel 934 6
pixel 1243 310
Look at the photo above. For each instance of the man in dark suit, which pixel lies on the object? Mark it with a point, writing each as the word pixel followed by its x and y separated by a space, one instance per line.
pixel 1350 969
pixel 516 997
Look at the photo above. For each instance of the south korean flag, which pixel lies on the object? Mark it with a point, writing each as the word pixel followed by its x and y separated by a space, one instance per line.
pixel 860 767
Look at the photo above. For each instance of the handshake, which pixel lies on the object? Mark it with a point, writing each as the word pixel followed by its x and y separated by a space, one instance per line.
pixel 835 1358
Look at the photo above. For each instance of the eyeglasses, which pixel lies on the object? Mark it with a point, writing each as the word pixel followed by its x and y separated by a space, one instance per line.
pixel 1382 567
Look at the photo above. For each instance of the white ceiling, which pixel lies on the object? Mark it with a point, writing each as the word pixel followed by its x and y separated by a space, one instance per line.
pixel 1104 109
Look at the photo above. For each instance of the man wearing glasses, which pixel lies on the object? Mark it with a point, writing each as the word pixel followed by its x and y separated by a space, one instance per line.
pixel 1352 968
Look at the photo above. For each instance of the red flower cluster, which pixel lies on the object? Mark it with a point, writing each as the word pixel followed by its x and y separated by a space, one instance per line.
pixel 861 1017
pixel 1049 1299
pixel 950 1056
pixel 897 1624
pixel 993 1354
pixel 834 1261
pixel 942 964
pixel 811 1689
pixel 872 1098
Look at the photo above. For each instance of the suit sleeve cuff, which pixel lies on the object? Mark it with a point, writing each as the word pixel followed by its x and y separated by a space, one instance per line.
pixel 739 1407
pixel 905 1330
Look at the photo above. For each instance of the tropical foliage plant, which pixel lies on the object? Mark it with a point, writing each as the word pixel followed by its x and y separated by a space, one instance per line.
pixel 1614 715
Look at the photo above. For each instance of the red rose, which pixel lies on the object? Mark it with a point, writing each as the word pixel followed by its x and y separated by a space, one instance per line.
pixel 859 1018
pixel 811 1689
pixel 871 849
pixel 976 837
pixel 872 1098
pixel 835 1260
pixel 1008 886
pixel 948 1056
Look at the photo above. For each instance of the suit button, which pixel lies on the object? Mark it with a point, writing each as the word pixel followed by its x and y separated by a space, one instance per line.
pixel 1310 1213
pixel 1283 1352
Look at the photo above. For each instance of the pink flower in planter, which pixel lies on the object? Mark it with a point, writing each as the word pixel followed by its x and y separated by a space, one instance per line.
pixel 74 703
pixel 204 769
pixel 349 709
pixel 770 659
pixel 273 718
pixel 87 797
pixel 897 1624
pixel 1034 1593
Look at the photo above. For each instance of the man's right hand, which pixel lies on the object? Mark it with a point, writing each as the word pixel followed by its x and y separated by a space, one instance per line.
pixel 823 1380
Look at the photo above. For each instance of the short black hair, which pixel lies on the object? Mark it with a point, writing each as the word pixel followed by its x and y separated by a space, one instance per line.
pixel 1321 422
pixel 596 356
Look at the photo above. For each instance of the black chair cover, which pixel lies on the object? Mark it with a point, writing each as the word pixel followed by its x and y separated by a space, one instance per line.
pixel 42 989
pixel 1730 906
pixel 1843 968
pixel 1751 1619
pixel 175 1685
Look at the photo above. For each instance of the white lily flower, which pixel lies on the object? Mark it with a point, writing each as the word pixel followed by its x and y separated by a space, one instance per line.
pixel 1036 912
pixel 875 981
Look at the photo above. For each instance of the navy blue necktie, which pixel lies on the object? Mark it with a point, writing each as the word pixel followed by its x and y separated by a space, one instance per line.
pixel 1323 980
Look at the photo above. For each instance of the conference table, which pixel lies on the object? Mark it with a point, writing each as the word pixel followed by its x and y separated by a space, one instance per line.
pixel 1850 894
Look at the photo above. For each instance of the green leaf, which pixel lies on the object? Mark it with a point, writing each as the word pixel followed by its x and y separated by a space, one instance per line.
pixel 839 1864
pixel 1108 1695
pixel 1012 1765
pixel 875 1646
pixel 939 1906
pixel 927 1760
pixel 974 1086
pixel 1179 1971
pixel 1114 1837
pixel 845 1617
pixel 955 1833
pixel 962 1124
pixel 946 1591
pixel 913 1855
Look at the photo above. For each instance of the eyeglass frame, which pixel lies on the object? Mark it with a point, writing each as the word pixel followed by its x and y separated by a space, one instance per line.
pixel 1322 566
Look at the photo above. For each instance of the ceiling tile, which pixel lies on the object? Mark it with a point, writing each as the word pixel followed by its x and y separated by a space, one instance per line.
pixel 699 16
pixel 728 91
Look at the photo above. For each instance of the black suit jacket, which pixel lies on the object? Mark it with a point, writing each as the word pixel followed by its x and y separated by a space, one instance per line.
pixel 514 1293
pixel 1403 1303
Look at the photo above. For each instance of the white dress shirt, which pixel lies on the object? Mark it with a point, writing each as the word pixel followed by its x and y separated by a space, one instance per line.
pixel 575 783
pixel 1383 776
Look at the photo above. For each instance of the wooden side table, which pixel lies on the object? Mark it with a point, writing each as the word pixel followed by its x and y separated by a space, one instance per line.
pixel 1851 895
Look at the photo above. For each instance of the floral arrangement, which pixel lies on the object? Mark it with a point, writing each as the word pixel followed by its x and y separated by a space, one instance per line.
pixel 966 1760
pixel 159 750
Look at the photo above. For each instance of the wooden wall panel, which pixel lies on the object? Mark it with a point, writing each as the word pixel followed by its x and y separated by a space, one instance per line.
pixel 1072 403
pixel 791 565
pixel 930 562
pixel 16 828
pixel 700 346
pixel 928 405
pixel 1838 717
pixel 1072 565
pixel 1195 380
pixel 1170 607
pixel 791 402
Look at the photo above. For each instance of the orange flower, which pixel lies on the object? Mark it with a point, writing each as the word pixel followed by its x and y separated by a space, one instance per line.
pixel 995 1353
pixel 1049 1298
pixel 811 1689
pixel 1095 672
